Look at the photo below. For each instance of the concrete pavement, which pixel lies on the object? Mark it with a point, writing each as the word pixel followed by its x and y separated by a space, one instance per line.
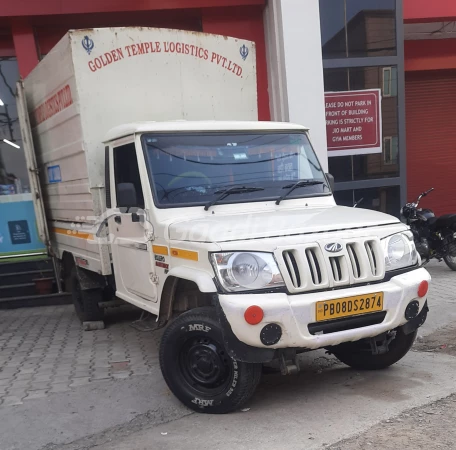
pixel 308 411
pixel 114 396
pixel 44 351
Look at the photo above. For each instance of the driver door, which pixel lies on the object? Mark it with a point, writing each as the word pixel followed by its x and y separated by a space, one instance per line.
pixel 134 267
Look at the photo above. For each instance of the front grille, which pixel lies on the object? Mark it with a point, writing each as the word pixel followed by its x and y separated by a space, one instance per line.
pixel 310 267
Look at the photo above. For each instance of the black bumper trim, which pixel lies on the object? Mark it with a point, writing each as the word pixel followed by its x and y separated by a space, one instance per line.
pixel 239 350
pixel 336 325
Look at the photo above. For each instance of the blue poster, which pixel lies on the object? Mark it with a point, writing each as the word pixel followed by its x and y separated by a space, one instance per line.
pixel 18 231
pixel 54 174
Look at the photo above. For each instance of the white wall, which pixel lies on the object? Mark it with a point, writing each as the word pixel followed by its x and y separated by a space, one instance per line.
pixel 295 67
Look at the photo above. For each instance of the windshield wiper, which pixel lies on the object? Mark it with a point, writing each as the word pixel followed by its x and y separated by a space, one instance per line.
pixel 232 190
pixel 292 187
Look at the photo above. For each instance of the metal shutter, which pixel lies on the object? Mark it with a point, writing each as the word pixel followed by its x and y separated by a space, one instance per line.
pixel 431 138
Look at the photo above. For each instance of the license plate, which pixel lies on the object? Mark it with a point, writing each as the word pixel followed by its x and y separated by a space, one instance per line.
pixel 350 306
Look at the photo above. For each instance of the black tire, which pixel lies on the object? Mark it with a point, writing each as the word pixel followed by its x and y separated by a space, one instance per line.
pixel 197 368
pixel 450 257
pixel 357 355
pixel 450 262
pixel 85 302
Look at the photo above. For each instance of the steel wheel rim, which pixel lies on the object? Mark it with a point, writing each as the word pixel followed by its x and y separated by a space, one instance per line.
pixel 205 365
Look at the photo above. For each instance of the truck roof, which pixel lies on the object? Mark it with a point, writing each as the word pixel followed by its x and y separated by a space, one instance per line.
pixel 210 125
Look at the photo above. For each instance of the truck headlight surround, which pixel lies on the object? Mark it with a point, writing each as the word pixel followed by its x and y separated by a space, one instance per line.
pixel 246 271
pixel 400 251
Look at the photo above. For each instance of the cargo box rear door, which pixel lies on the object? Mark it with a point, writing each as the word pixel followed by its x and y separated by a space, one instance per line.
pixel 32 167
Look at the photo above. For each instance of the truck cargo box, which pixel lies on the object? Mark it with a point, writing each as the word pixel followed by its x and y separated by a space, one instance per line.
pixel 97 79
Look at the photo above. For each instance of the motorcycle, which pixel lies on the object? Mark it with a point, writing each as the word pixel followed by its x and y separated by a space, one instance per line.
pixel 435 237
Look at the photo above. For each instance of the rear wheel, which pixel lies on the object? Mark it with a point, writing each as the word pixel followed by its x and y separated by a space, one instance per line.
pixel 86 303
pixel 198 369
pixel 450 257
pixel 359 356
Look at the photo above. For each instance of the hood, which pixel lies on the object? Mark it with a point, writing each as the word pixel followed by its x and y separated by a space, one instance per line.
pixel 264 224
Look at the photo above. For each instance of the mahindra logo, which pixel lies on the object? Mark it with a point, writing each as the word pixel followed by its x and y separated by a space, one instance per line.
pixel 333 248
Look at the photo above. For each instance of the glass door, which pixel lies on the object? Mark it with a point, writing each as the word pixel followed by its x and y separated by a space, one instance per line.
pixel 18 231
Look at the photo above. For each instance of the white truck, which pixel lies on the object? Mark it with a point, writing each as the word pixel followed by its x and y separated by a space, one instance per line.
pixel 154 183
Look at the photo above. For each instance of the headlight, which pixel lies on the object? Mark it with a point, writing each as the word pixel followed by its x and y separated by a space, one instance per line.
pixel 400 251
pixel 244 271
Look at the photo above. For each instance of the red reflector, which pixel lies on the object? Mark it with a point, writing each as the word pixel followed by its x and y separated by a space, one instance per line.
pixel 423 289
pixel 253 315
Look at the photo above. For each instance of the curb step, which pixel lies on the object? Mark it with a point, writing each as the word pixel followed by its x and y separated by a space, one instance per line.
pixel 15 278
pixel 28 301
pixel 28 272
pixel 25 266
pixel 18 290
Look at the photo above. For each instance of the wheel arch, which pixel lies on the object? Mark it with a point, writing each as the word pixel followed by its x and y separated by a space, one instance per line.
pixel 202 279
pixel 87 279
pixel 185 289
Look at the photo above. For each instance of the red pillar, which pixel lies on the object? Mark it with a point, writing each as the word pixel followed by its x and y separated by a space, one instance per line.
pixel 24 44
pixel 244 23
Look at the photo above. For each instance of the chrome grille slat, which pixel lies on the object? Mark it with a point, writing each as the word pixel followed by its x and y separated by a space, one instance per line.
pixel 354 261
pixel 339 269
pixel 371 256
pixel 315 270
pixel 335 269
pixel 292 268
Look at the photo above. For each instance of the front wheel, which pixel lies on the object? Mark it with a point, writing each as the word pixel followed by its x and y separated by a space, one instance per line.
pixel 198 369
pixel 358 355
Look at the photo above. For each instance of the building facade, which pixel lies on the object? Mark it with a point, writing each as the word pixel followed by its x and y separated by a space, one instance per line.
pixel 363 50
pixel 279 28
pixel 404 49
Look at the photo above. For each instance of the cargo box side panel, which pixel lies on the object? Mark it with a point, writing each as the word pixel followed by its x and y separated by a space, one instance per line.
pixel 136 74
pixel 79 240
pixel 54 109
pixel 55 117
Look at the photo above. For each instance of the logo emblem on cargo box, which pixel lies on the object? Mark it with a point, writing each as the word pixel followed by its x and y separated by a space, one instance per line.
pixel 244 51
pixel 333 247
pixel 88 44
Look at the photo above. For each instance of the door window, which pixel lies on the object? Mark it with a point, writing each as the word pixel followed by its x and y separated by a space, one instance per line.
pixel 126 170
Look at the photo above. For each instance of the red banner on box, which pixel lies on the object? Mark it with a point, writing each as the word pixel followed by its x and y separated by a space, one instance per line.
pixel 354 122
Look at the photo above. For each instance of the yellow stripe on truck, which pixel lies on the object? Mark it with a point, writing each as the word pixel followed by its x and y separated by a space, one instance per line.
pixel 73 233
pixel 160 250
pixel 184 254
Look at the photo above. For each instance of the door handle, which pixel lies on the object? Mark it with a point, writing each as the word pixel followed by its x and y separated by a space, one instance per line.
pixel 118 219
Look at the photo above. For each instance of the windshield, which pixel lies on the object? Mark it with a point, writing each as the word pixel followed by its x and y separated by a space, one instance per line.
pixel 193 169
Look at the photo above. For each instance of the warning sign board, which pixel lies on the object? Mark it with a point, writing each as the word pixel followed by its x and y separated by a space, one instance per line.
pixel 354 122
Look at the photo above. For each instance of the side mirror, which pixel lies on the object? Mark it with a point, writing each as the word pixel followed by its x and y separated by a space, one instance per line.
pixel 331 181
pixel 126 195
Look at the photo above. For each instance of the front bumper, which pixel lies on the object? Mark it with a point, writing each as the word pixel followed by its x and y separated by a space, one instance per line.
pixel 294 314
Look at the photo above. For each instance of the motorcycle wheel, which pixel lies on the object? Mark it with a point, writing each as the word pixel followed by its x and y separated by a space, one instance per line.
pixel 450 257
pixel 450 261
